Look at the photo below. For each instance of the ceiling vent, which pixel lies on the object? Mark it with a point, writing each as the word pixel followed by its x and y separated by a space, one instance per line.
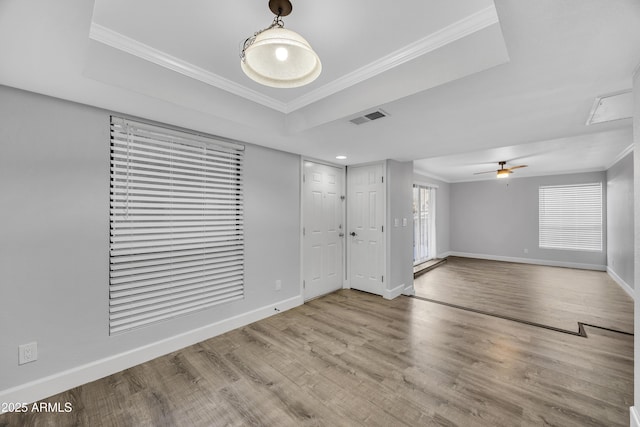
pixel 615 106
pixel 375 115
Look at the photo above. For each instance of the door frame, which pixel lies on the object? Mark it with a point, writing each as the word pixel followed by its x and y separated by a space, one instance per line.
pixel 385 266
pixel 343 172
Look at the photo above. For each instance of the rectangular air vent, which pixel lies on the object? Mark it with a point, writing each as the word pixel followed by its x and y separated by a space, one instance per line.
pixel 359 120
pixel 375 115
pixel 615 106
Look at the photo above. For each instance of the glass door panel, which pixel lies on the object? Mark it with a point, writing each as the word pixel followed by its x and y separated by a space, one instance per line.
pixel 423 223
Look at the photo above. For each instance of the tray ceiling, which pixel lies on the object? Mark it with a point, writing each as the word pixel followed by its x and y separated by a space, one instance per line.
pixel 454 77
pixel 356 40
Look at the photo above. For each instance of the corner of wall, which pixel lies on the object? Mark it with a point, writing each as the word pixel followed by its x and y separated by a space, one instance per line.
pixel 624 285
pixel 393 293
pixel 409 290
pixel 634 418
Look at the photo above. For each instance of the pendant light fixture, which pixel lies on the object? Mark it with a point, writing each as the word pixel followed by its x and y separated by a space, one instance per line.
pixel 278 57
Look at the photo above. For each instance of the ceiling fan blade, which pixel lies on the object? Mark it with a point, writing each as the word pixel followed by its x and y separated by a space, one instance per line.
pixel 480 173
pixel 517 167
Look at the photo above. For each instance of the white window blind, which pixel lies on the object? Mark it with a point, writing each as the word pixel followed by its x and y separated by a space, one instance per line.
pixel 176 224
pixel 571 217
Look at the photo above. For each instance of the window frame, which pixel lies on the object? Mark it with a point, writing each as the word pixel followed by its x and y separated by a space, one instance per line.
pixel 176 240
pixel 568 202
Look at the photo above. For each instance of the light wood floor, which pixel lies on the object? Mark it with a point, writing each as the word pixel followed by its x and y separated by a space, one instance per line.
pixel 554 296
pixel 351 358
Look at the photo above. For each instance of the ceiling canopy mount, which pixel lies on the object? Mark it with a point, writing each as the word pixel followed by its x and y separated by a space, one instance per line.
pixel 280 7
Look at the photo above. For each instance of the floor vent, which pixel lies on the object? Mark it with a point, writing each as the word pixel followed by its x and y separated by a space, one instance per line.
pixel 378 114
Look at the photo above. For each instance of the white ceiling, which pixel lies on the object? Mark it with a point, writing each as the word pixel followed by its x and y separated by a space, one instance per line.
pixel 459 79
pixel 590 152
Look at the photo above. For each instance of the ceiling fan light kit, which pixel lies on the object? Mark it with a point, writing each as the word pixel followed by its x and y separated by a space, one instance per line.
pixel 278 57
pixel 502 172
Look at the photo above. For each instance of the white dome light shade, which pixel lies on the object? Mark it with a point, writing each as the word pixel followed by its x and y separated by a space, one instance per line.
pixel 281 58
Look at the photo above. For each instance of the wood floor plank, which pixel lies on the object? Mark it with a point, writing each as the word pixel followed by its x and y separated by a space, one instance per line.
pixel 554 296
pixel 351 358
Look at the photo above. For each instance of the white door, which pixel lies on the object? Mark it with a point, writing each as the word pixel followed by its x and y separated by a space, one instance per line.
pixel 323 229
pixel 366 202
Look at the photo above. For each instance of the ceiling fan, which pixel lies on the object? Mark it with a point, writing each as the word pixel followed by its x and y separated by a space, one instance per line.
pixel 503 172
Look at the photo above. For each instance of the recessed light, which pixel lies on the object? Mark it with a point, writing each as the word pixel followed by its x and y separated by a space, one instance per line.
pixel 341 157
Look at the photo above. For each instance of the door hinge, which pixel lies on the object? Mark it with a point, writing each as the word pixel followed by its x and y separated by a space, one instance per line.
pixel 382 177
pixel 342 198
pixel 304 284
pixel 304 231
pixel 382 279
pixel 383 228
pixel 304 178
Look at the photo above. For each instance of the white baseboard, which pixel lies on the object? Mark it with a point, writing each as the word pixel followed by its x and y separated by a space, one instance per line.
pixel 57 383
pixel 393 293
pixel 624 285
pixel 634 417
pixel 531 261
pixel 346 284
pixel 409 290
pixel 443 255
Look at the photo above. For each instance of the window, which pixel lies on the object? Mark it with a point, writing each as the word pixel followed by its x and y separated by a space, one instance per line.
pixel 571 217
pixel 176 224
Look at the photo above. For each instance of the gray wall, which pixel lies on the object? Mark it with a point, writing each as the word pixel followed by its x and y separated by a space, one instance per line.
pixel 400 244
pixel 54 238
pixel 620 219
pixel 443 203
pixel 636 240
pixel 499 218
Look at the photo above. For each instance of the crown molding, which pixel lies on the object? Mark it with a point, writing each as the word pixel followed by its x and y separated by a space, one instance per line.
pixel 459 29
pixel 425 174
pixel 620 156
pixel 126 44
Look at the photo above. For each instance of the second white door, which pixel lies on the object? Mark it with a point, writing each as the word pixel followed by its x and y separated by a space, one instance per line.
pixel 366 203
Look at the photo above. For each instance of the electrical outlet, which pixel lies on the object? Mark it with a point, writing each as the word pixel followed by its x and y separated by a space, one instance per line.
pixel 278 285
pixel 27 353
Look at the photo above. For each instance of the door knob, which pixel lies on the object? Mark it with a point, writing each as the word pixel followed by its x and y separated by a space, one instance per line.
pixel 353 233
